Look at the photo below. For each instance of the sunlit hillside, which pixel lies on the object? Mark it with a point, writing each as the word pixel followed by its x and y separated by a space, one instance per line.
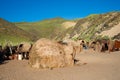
pixel 47 28
pixel 11 33
pixel 95 26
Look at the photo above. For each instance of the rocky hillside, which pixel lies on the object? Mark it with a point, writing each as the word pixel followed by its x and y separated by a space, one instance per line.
pixel 95 26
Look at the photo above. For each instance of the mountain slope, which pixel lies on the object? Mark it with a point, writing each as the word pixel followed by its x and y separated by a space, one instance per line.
pixel 92 27
pixel 47 28
pixel 10 32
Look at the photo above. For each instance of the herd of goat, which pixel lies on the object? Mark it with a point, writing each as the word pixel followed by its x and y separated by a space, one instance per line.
pixel 11 52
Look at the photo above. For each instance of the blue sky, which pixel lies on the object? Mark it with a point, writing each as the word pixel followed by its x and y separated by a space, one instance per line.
pixel 36 10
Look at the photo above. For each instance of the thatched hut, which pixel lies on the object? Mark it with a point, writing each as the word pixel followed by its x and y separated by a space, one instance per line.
pixel 50 54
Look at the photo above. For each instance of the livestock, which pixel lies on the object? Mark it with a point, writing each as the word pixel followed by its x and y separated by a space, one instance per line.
pixel 7 51
pixel 104 44
pixel 14 52
pixel 116 45
pixel 83 44
pixel 76 45
pixel 110 45
pixel 96 46
pixel 92 45
pixel 2 56
pixel 24 49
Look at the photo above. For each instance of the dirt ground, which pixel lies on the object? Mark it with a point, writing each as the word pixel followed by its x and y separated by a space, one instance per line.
pixel 91 66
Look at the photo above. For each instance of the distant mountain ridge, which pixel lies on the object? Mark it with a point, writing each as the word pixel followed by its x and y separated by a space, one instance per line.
pixel 92 27
pixel 48 28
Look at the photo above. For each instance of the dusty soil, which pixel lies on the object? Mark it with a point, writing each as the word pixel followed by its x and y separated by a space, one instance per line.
pixel 112 32
pixel 91 66
pixel 68 24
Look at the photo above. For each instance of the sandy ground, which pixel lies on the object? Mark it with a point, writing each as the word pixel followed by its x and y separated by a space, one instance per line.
pixel 68 24
pixel 112 32
pixel 92 66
